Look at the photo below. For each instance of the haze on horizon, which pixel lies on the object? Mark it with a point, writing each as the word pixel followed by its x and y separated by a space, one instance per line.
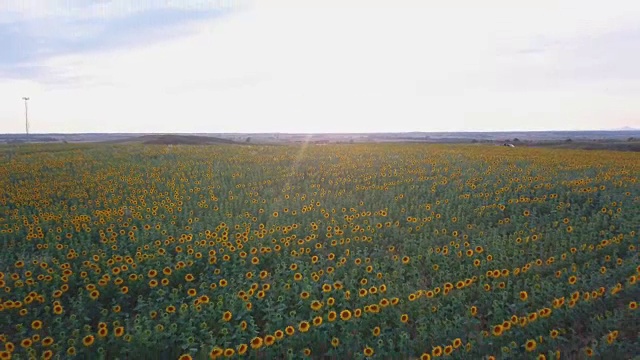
pixel 319 65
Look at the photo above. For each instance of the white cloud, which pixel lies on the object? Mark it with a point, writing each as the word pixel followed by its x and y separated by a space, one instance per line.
pixel 104 9
pixel 351 66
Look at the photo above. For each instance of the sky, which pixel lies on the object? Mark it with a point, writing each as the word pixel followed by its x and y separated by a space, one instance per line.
pixel 219 66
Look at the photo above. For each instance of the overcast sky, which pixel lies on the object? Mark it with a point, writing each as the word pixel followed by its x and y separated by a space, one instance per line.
pixel 319 66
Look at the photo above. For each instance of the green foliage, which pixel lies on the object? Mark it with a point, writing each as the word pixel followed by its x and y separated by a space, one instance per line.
pixel 337 251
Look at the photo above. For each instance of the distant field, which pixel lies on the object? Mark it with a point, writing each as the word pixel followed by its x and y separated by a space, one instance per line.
pixel 388 251
pixel 591 145
pixel 174 140
pixel 627 140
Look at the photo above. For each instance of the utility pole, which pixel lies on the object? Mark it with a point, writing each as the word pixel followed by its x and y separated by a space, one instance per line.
pixel 26 116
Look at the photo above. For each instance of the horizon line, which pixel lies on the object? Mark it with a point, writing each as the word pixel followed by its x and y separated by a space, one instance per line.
pixel 322 133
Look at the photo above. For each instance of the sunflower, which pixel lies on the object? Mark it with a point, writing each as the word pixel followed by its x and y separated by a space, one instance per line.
pixel 436 351
pixel 425 356
pixel 304 326
pixel 575 296
pixel 588 351
pixel 269 340
pixel 227 316
pixel 457 343
pixel 368 352
pixel 335 342
pixel 289 330
pixel 256 342
pixel 345 315
pixel 88 340
pixel 523 295
pixel 530 345
pixel 47 341
pixel 36 324
pixel 229 352
pixel 332 316
pixel 448 350
pixel 497 330
pixel 26 343
pixel 506 325
pixel 316 305
pixel 242 349
pixel 317 321
pixel 376 331
pixel 185 357
pixel 279 334
pixel 118 331
pixel 633 305
pixel 473 310
pixel 404 318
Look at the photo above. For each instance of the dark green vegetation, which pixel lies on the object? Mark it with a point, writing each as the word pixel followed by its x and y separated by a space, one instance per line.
pixel 173 139
pixel 386 251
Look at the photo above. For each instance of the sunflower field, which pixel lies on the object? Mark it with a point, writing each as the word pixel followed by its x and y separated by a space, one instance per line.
pixel 381 251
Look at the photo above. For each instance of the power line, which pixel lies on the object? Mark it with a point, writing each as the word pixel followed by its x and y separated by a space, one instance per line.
pixel 26 115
